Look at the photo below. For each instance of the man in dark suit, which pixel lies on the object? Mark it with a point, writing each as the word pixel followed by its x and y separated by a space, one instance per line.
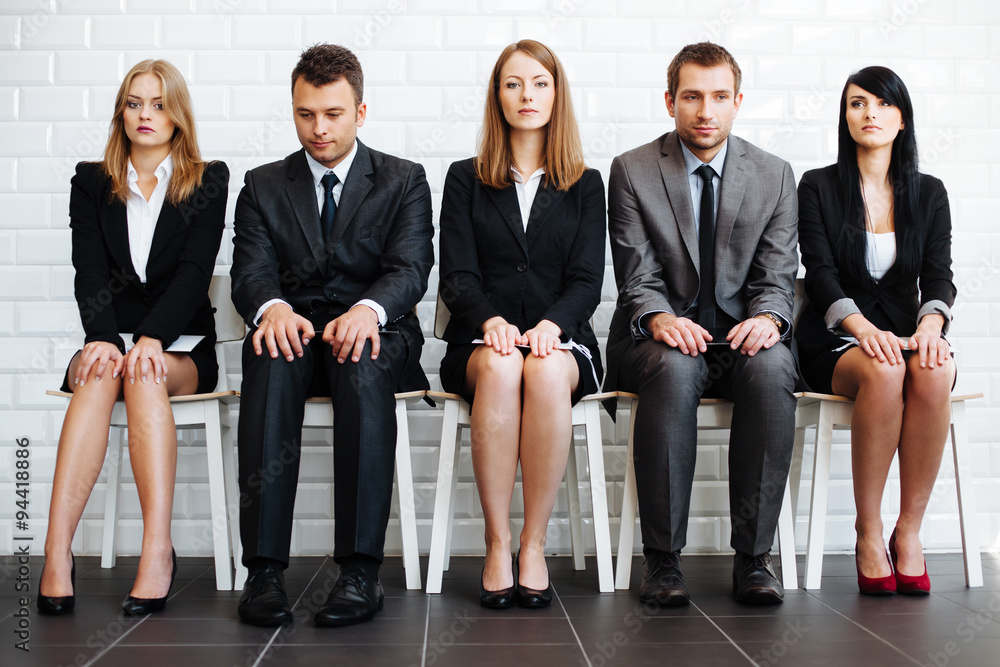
pixel 335 239
pixel 703 238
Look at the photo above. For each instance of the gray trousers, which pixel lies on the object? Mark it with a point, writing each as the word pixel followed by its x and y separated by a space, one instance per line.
pixel 670 385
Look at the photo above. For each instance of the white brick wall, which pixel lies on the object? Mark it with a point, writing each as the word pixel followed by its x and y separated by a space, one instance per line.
pixel 426 62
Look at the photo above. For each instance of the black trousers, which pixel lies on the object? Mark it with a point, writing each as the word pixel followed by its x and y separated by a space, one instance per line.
pixel 670 385
pixel 272 407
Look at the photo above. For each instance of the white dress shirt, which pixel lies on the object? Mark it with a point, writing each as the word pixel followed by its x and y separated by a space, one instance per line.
pixel 142 214
pixel 526 191
pixel 318 172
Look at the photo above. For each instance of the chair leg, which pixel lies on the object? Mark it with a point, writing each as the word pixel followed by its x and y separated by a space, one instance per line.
pixel 229 468
pixel 786 541
pixel 217 498
pixel 573 498
pixel 966 496
pixel 116 446
pixel 407 508
pixel 444 496
pixel 820 491
pixel 626 533
pixel 795 471
pixel 599 497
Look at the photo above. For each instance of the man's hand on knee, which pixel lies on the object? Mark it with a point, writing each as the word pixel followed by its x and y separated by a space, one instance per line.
pixel 754 334
pixel 283 331
pixel 348 333
pixel 686 335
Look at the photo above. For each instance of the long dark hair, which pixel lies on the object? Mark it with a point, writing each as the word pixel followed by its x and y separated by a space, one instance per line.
pixel 903 175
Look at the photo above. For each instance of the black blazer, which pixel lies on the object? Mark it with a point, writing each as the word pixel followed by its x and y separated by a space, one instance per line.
pixel 893 302
pixel 381 246
pixel 491 266
pixel 174 299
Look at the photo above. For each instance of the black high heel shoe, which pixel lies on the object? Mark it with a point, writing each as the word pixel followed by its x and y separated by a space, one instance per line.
pixel 501 599
pixel 529 598
pixel 142 606
pixel 61 605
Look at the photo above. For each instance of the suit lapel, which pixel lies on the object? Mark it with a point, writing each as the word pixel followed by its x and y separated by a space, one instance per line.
pixel 170 217
pixel 114 224
pixel 506 202
pixel 301 192
pixel 734 185
pixel 356 188
pixel 678 191
pixel 547 200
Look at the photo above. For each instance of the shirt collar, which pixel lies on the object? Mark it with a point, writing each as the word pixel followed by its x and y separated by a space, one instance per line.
pixel 692 162
pixel 518 178
pixel 163 171
pixel 341 170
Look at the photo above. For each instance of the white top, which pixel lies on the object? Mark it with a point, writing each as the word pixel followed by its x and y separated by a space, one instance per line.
pixel 142 214
pixel 880 253
pixel 318 172
pixel 526 191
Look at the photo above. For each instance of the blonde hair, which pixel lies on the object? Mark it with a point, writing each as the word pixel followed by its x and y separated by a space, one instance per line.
pixel 188 165
pixel 563 159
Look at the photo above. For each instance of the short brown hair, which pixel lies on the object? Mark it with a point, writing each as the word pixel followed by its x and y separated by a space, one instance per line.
pixel 321 64
pixel 705 54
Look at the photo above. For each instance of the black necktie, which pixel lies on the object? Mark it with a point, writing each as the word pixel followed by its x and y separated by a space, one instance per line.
pixel 706 248
pixel 329 205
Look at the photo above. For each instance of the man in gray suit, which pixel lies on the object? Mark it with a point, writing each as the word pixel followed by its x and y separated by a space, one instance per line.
pixel 333 241
pixel 703 231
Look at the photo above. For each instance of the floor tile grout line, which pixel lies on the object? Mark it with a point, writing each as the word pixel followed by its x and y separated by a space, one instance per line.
pixel 427 630
pixel 723 632
pixel 881 639
pixel 571 626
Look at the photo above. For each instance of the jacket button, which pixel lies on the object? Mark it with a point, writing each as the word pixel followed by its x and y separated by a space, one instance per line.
pixel 686 306
pixel 522 267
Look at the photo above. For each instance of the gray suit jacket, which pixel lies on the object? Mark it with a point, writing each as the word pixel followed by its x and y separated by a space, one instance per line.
pixel 381 247
pixel 654 243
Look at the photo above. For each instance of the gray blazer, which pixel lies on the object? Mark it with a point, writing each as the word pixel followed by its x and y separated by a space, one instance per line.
pixel 654 243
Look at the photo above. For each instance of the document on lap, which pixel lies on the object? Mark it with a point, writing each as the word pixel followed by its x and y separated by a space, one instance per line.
pixel 182 344
pixel 560 346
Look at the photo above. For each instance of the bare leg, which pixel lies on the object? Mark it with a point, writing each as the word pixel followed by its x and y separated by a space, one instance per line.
pixel 546 433
pixel 877 389
pixel 83 443
pixel 152 447
pixel 496 419
pixel 926 419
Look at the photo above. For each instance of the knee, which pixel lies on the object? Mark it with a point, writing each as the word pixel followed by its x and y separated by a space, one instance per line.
pixel 548 375
pixel 884 377
pixel 929 385
pixel 658 364
pixel 770 370
pixel 495 367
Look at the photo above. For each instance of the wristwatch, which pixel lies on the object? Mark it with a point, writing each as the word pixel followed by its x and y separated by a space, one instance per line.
pixel 778 322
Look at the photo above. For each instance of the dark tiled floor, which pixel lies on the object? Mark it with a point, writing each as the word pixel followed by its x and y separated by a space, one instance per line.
pixel 952 627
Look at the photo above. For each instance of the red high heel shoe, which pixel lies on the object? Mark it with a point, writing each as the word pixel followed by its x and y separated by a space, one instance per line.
pixel 874 585
pixel 906 584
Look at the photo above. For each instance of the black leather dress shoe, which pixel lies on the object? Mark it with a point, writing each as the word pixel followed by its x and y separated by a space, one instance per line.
pixel 754 581
pixel 62 605
pixel 264 601
pixel 355 598
pixel 531 598
pixel 662 580
pixel 142 606
pixel 501 599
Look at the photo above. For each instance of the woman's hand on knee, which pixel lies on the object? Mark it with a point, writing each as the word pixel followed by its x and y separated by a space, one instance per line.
pixel 501 336
pixel 146 356
pixel 881 345
pixel 97 355
pixel 543 339
pixel 931 348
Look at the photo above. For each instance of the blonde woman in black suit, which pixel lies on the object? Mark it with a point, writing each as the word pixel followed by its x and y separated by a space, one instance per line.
pixel 522 260
pixel 147 223
pixel 876 244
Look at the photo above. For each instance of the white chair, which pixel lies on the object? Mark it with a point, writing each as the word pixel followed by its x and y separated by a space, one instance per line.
pixel 586 413
pixel 828 412
pixel 713 413
pixel 208 411
pixel 319 414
